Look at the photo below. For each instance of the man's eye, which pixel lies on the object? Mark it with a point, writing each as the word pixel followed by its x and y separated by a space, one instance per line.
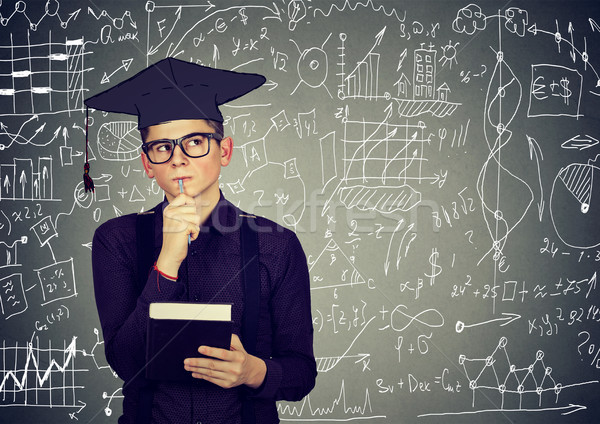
pixel 162 147
pixel 196 141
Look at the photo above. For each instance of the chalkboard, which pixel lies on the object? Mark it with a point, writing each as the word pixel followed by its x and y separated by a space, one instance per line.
pixel 437 159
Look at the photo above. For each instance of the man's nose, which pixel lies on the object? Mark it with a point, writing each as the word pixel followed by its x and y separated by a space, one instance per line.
pixel 178 155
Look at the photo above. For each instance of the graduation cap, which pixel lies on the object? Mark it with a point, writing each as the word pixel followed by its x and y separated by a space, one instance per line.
pixel 169 90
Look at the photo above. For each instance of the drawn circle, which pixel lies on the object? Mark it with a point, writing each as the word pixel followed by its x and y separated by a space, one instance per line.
pixel 387 95
pixel 461 359
pixel 54 10
pixel 63 25
pixel 20 6
pixel 150 6
pixel 341 95
pixel 548 370
pixel 557 37
pixel 118 23
pixel 108 411
pixel 539 390
pixel 500 128
pixel 489 361
pixel 502 342
pixel 472 384
pixel 575 206
pixel 520 389
pixel 289 220
pixel 530 368
pixel 82 197
pixel 4 21
pixel 539 355
pixel 312 67
pixel 97 214
pixel 296 11
pixel 502 388
pixel 558 388
pixel 343 36
pixel 33 26
pixel 460 326
pixel 498 215
pixel 500 56
pixel 513 368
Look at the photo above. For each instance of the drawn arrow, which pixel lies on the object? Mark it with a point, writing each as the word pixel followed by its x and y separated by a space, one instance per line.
pixel 508 317
pixel 216 54
pixel 579 142
pixel 125 64
pixel 152 50
pixel 56 133
pixel 272 84
pixel 73 16
pixel 572 52
pixel 386 264
pixel 592 283
pixel 534 148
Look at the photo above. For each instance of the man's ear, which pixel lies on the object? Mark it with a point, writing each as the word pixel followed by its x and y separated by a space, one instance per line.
pixel 226 149
pixel 147 165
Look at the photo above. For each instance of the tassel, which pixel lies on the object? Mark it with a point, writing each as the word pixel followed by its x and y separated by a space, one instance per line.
pixel 87 180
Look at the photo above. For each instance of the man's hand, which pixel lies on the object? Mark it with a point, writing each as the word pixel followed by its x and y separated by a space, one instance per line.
pixel 180 219
pixel 228 368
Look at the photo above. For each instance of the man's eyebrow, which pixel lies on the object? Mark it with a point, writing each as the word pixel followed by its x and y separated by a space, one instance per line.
pixel 185 136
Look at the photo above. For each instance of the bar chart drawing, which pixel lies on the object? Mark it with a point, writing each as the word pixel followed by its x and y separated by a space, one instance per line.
pixel 21 180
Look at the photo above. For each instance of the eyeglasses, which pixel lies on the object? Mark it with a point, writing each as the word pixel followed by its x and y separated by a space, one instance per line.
pixel 193 145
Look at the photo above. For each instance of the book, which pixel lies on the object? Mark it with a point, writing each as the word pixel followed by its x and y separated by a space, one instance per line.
pixel 175 332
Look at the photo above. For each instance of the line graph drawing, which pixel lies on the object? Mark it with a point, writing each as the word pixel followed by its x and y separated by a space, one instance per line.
pixel 42 78
pixel 498 374
pixel 51 8
pixel 380 162
pixel 504 94
pixel 338 406
pixel 40 376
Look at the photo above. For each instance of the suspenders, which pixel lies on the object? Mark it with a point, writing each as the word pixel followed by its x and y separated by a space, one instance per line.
pixel 251 282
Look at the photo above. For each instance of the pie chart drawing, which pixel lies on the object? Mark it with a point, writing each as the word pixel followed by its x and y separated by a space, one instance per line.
pixel 574 205
pixel 119 141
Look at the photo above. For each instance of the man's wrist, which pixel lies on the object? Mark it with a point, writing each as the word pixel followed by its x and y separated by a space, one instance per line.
pixel 258 372
pixel 168 269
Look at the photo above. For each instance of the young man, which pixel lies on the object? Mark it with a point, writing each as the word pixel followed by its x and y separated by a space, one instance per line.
pixel 197 253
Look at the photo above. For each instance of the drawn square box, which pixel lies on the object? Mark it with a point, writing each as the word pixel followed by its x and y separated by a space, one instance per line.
pixel 102 192
pixel 12 296
pixel 44 230
pixel 57 281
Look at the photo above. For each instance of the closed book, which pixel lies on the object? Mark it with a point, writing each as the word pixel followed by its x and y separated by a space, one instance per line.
pixel 175 332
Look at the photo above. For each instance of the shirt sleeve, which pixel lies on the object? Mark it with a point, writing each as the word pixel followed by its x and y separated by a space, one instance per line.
pixel 122 310
pixel 291 370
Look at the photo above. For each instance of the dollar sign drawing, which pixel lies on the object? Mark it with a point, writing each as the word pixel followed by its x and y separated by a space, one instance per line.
pixel 435 268
pixel 566 93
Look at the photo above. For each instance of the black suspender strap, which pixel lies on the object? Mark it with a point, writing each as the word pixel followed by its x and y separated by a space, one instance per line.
pixel 144 239
pixel 251 281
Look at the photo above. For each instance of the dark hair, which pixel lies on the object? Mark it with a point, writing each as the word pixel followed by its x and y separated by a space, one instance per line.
pixel 215 125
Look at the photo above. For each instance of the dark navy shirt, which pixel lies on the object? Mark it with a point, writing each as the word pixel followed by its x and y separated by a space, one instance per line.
pixel 210 273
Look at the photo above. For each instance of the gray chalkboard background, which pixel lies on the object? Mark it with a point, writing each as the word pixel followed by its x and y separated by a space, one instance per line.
pixel 437 160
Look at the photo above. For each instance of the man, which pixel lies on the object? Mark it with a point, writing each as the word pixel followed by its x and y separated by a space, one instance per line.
pixel 197 253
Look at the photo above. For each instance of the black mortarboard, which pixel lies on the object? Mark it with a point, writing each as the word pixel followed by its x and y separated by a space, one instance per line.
pixel 173 89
